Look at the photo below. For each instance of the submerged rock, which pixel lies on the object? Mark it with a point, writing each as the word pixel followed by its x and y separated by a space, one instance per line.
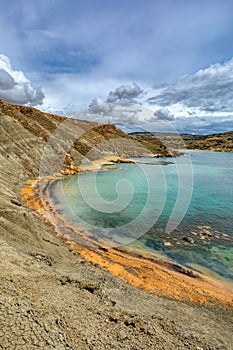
pixel 206 233
pixel 167 244
pixel 188 239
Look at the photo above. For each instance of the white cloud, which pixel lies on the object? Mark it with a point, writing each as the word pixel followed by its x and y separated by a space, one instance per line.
pixel 69 93
pixel 15 87
pixel 209 90
pixel 109 112
pixel 164 113
pixel 98 107
pixel 124 93
pixel 204 125
pixel 199 103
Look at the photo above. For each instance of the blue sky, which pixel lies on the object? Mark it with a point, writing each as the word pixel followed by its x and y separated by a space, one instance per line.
pixel 77 51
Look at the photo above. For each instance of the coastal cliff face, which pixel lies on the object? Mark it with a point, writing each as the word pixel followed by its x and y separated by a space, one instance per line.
pixel 51 297
pixel 32 130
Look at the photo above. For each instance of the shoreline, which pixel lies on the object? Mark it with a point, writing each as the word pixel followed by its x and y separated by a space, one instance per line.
pixel 139 268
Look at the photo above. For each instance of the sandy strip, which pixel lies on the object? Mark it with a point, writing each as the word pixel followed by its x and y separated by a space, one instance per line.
pixel 137 267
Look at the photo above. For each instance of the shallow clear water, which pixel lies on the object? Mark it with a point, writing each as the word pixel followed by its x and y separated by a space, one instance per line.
pixel 182 210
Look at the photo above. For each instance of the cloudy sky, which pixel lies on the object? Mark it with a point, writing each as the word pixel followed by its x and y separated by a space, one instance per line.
pixel 153 64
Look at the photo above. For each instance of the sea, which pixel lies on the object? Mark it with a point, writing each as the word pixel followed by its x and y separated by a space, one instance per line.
pixel 180 209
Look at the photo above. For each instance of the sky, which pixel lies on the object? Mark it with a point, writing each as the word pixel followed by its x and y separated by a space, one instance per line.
pixel 153 65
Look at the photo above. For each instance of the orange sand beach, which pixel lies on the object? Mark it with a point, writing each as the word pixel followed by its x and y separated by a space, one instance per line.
pixel 138 268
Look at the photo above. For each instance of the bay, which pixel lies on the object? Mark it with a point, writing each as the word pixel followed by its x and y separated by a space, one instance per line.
pixel 182 210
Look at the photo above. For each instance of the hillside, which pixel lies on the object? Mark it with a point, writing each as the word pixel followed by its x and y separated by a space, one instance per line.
pixel 50 296
pixel 89 139
pixel 215 142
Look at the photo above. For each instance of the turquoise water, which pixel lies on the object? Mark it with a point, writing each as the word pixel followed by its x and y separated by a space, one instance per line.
pixel 182 210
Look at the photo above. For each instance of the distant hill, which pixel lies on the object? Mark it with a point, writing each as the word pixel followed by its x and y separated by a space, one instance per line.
pixel 222 142
pixel 216 142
